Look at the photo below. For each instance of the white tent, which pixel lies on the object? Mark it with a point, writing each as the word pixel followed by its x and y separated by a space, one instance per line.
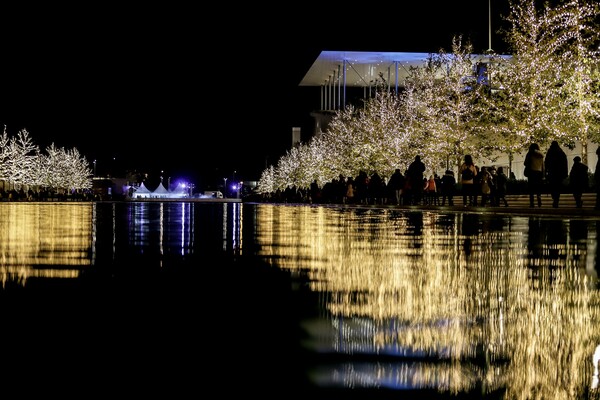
pixel 141 192
pixel 160 192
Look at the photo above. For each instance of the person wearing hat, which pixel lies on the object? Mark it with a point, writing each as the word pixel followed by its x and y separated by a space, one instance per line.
pixel 578 180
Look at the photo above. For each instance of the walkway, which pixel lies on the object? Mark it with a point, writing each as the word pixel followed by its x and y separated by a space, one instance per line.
pixel 517 204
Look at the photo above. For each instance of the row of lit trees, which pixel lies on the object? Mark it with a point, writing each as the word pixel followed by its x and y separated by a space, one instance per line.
pixel 546 90
pixel 58 169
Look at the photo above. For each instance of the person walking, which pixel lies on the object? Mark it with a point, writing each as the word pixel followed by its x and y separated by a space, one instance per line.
pixel 431 191
pixel 557 169
pixel 534 171
pixel 578 180
pixel 414 173
pixel 448 187
pixel 349 195
pixel 467 173
pixel 396 185
pixel 501 187
pixel 376 190
pixel 486 183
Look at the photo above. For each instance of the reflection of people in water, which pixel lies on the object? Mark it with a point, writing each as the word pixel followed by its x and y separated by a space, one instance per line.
pixel 578 239
pixel 415 226
pixel 547 242
pixel 535 243
pixel 492 222
pixel 470 224
pixel 556 241
pixel 447 222
pixel 469 227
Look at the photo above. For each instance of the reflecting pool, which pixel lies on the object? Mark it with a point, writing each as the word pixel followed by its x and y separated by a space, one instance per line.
pixel 304 299
pixel 460 303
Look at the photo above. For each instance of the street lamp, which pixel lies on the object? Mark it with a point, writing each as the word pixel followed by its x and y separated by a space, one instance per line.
pixel 225 187
pixel 94 168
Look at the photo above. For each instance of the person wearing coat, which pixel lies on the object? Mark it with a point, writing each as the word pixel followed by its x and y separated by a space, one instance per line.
pixel 468 173
pixel 578 180
pixel 534 171
pixel 414 174
pixel 396 185
pixel 557 170
pixel 448 187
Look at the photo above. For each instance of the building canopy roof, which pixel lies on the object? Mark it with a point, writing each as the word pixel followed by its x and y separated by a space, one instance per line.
pixel 363 68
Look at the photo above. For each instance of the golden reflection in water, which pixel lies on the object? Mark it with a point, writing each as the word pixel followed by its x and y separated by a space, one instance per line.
pixel 35 237
pixel 528 314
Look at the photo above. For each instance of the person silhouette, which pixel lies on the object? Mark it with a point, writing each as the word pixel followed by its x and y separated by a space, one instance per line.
pixel 501 187
pixel 557 169
pixel 578 180
pixel 415 172
pixel 534 171
pixel 448 187
pixel 396 185
pixel 468 173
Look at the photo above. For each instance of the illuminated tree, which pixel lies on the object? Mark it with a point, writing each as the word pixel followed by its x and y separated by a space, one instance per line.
pixel 79 178
pixel 267 181
pixel 575 40
pixel 431 118
pixel 22 163
pixel 64 170
pixel 315 163
pixel 337 142
pixel 370 139
pixel 546 90
pixel 21 160
pixel 457 104
pixel 441 95
pixel 287 171
pixel 5 155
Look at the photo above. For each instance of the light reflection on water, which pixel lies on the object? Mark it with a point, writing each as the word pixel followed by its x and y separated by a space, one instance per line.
pixel 50 240
pixel 62 240
pixel 454 302
pixel 459 302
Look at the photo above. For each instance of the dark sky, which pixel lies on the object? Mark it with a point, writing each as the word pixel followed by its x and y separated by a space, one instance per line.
pixel 192 91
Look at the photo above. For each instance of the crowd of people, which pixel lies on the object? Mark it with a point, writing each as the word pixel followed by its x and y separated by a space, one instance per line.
pixel 553 168
pixel 477 186
pixel 43 194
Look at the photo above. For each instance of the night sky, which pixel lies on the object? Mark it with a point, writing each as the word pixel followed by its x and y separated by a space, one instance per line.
pixel 193 92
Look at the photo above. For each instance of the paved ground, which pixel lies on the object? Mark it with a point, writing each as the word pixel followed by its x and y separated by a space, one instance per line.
pixel 517 204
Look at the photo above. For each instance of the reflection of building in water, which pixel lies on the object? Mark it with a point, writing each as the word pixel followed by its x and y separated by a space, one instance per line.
pixel 520 313
pixel 41 240
pixel 170 227
pixel 167 227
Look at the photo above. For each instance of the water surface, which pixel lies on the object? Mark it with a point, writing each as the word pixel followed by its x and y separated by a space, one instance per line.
pixel 300 299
